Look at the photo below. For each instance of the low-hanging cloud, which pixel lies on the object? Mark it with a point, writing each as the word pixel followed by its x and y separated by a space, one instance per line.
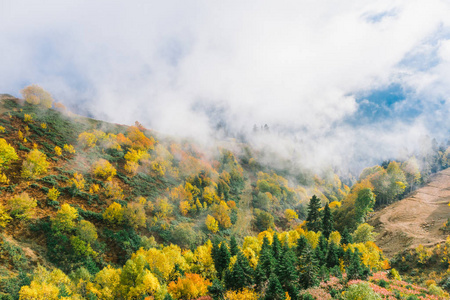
pixel 297 65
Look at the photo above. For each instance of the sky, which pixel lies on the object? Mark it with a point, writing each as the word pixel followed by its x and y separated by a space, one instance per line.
pixel 334 80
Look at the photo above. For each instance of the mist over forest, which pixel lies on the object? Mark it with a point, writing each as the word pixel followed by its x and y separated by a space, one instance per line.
pixel 342 85
pixel 232 150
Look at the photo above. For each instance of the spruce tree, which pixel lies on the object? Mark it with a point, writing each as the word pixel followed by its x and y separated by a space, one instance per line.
pixel 313 220
pixel 241 275
pixel 332 256
pixel 302 242
pixel 321 251
pixel 265 265
pixel 216 290
pixel 274 290
pixel 276 248
pixel 222 259
pixel 346 237
pixel 287 272
pixel 215 250
pixel 308 270
pixel 327 222
pixel 234 249
pixel 356 269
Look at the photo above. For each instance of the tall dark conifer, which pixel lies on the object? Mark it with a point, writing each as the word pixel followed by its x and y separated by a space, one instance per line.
pixel 327 222
pixel 241 274
pixel 216 290
pixel 222 260
pixel 313 220
pixel 234 249
pixel 276 248
pixel 265 265
pixel 274 290
pixel 302 242
pixel 356 269
pixel 308 269
pixel 287 272
pixel 332 256
pixel 346 237
pixel 321 251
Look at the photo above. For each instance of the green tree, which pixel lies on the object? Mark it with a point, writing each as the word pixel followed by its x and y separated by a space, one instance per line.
pixel 364 204
pixel 327 222
pixel 263 220
pixel 222 259
pixel 302 243
pixel 234 249
pixel 321 251
pixel 276 248
pixel 87 231
pixel 287 272
pixel 356 269
pixel 346 237
pixel 265 265
pixel 332 255
pixel 313 219
pixel 308 269
pixel 274 290
pixel 363 233
pixel 216 290
pixel 241 274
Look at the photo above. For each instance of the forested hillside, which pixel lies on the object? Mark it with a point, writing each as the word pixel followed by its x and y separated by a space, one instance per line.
pixel 94 210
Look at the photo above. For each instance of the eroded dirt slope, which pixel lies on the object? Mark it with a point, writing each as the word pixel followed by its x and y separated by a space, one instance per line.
pixel 415 220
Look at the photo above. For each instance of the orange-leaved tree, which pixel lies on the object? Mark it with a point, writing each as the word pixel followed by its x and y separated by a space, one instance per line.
pixel 190 286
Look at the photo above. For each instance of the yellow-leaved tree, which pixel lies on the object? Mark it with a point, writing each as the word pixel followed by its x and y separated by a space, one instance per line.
pixel 212 224
pixel 65 218
pixel 190 286
pixel 35 164
pixel 22 206
pixel 114 213
pixel 103 169
pixel 36 95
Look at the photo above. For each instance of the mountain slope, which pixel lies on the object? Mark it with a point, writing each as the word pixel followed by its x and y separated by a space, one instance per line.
pixel 415 220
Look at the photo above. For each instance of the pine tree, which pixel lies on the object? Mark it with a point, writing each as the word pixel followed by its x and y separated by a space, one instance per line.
pixel 327 222
pixel 265 265
pixel 321 251
pixel 308 275
pixel 346 237
pixel 274 290
pixel 234 249
pixel 332 256
pixel 222 259
pixel 241 275
pixel 287 272
pixel 302 242
pixel 276 248
pixel 216 290
pixel 313 219
pixel 356 269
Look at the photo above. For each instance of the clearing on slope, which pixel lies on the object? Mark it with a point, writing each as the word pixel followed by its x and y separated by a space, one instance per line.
pixel 415 220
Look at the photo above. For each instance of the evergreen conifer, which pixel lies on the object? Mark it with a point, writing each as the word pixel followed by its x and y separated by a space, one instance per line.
pixel 313 220
pixel 327 222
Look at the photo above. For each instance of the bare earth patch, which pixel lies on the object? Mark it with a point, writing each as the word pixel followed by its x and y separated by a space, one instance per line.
pixel 415 220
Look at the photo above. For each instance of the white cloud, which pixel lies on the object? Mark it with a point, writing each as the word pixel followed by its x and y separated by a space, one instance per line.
pixel 291 63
